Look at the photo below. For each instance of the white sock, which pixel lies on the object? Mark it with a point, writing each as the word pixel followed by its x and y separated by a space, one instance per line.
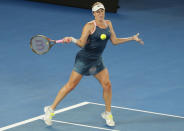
pixel 108 113
pixel 51 109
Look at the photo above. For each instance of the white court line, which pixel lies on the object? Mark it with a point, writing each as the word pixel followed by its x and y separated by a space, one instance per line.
pixel 79 105
pixel 95 127
pixel 149 112
pixel 41 116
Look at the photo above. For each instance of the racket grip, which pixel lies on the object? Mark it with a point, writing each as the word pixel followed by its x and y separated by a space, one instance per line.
pixel 60 41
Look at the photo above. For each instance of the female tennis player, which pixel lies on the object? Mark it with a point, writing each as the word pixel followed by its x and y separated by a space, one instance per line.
pixel 89 61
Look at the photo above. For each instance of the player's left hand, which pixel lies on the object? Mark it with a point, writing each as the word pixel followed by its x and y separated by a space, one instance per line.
pixel 136 38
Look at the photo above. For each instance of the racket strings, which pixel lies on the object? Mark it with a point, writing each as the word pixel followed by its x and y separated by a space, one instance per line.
pixel 40 44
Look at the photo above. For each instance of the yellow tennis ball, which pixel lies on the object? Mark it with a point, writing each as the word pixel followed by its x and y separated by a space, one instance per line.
pixel 103 36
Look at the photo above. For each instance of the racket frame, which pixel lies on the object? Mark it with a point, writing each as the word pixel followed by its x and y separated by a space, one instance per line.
pixel 49 42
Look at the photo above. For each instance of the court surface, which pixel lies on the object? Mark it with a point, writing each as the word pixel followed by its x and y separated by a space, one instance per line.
pixel 148 78
pixel 83 116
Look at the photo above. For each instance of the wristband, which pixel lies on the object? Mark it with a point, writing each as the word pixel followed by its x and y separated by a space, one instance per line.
pixel 74 40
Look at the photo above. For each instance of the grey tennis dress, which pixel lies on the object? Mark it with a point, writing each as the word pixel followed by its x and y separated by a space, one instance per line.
pixel 88 60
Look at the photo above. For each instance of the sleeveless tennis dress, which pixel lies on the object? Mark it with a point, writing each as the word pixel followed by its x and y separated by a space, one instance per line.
pixel 88 60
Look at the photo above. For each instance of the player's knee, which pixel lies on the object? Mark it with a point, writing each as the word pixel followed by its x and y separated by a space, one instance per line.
pixel 107 85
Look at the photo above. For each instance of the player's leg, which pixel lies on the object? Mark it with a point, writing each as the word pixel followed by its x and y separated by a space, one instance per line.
pixel 69 86
pixel 103 78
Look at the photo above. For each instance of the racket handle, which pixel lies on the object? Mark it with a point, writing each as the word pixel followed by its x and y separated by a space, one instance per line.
pixel 60 41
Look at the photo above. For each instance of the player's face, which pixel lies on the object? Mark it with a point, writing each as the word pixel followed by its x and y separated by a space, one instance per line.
pixel 99 14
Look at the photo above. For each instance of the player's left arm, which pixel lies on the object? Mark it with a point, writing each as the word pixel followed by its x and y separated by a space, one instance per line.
pixel 117 41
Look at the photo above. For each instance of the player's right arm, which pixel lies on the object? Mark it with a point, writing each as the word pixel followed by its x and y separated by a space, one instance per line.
pixel 84 36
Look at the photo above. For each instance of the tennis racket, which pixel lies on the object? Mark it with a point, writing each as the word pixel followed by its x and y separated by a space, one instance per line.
pixel 41 44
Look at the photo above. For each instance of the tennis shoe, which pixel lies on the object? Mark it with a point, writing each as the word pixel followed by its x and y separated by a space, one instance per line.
pixel 49 113
pixel 108 118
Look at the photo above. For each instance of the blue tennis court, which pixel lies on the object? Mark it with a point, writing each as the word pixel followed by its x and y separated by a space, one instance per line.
pixel 147 81
pixel 126 118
